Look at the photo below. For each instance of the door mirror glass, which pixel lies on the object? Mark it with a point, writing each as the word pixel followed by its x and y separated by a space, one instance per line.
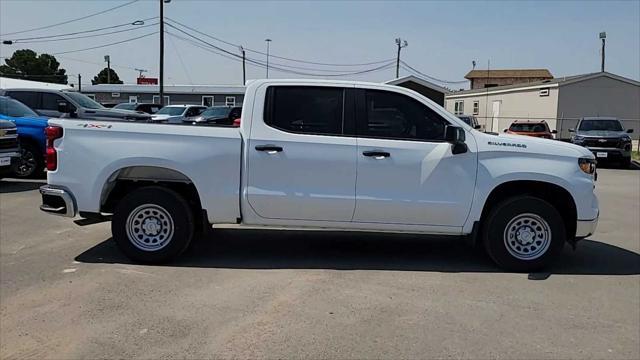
pixel 505 130
pixel 454 134
pixel 554 131
pixel 477 127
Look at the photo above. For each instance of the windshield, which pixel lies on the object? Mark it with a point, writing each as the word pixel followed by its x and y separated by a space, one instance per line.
pixel 601 125
pixel 216 111
pixel 126 106
pixel 84 101
pixel 171 110
pixel 528 127
pixel 14 108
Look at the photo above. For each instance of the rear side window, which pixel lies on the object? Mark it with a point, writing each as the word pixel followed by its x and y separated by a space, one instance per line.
pixel 390 115
pixel 50 101
pixel 29 98
pixel 305 109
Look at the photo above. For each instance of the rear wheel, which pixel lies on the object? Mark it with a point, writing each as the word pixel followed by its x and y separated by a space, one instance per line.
pixel 523 233
pixel 152 225
pixel 31 163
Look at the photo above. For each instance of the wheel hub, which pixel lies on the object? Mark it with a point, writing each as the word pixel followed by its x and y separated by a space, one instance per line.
pixel 150 227
pixel 527 236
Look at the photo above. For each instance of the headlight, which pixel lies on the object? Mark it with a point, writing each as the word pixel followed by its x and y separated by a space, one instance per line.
pixel 626 138
pixel 578 139
pixel 587 165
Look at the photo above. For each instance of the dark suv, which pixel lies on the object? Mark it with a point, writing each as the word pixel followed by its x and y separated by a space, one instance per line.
pixel 605 137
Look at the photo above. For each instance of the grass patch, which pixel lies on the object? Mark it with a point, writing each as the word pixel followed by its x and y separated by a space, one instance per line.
pixel 635 155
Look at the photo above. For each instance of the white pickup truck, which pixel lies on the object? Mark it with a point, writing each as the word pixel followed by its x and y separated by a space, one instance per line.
pixel 324 155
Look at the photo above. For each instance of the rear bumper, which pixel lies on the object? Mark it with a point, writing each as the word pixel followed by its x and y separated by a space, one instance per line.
pixel 57 201
pixel 585 228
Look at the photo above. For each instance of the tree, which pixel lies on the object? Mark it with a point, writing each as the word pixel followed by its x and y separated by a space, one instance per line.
pixel 101 78
pixel 28 65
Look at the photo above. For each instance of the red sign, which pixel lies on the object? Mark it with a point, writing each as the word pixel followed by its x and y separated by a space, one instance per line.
pixel 147 81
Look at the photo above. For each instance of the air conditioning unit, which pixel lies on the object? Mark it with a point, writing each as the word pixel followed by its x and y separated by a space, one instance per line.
pixel 544 92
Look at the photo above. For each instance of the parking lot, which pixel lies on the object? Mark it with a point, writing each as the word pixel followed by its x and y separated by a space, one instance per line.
pixel 67 292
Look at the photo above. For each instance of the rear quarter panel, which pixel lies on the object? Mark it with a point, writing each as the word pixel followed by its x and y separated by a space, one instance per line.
pixel 91 152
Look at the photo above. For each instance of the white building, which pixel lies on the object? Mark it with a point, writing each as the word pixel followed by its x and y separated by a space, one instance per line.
pixel 9 83
pixel 561 102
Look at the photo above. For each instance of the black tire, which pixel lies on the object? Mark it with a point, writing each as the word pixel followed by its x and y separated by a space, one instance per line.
pixel 535 234
pixel 625 163
pixel 165 207
pixel 31 163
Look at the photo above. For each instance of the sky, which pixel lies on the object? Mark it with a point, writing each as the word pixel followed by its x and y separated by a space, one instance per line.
pixel 443 37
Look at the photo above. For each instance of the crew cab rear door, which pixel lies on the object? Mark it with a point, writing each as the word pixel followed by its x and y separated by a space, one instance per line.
pixel 300 164
pixel 407 173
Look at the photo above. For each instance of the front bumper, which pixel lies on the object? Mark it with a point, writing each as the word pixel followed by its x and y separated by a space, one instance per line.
pixel 585 228
pixel 57 201
pixel 612 153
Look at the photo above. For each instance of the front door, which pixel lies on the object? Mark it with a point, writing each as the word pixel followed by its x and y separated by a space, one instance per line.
pixel 300 166
pixel 407 173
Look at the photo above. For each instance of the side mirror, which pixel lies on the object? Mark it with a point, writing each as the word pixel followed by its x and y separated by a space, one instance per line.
pixel 572 130
pixel 505 130
pixel 554 131
pixel 477 127
pixel 63 107
pixel 629 131
pixel 456 136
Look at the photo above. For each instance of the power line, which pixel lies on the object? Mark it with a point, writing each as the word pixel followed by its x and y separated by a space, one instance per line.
pixel 97 63
pixel 411 69
pixel 72 20
pixel 105 45
pixel 260 64
pixel 134 23
pixel 85 36
pixel 184 68
pixel 275 56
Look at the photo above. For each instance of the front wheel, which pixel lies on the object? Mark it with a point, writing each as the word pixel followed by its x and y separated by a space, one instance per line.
pixel 523 233
pixel 152 225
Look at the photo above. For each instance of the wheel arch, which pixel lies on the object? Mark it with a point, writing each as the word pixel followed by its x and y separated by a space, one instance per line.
pixel 555 194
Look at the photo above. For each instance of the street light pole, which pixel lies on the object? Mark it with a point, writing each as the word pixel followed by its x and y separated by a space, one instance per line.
pixel 400 44
pixel 107 58
pixel 603 36
pixel 268 41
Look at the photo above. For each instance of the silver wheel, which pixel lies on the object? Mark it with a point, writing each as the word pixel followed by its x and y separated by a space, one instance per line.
pixel 27 163
pixel 150 227
pixel 527 236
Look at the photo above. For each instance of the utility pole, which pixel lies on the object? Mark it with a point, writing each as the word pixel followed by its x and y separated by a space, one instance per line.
pixel 268 41
pixel 79 83
pixel 244 73
pixel 107 58
pixel 161 80
pixel 401 44
pixel 603 36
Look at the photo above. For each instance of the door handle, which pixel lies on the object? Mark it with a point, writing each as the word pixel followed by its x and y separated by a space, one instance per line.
pixel 270 149
pixel 376 154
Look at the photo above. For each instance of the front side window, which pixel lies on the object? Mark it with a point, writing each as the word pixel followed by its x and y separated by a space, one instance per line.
pixel 305 109
pixel 84 101
pixel 395 116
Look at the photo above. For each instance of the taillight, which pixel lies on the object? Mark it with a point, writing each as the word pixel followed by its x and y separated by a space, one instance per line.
pixel 52 133
pixel 236 122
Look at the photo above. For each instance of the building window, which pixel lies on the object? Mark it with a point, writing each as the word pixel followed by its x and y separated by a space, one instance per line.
pixel 476 107
pixel 207 101
pixel 230 101
pixel 156 100
pixel 458 107
pixel 133 99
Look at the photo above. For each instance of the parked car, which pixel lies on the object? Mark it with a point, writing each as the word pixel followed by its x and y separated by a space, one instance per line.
pixel 175 114
pixel 32 138
pixel 9 147
pixel 470 120
pixel 605 137
pixel 221 115
pixel 71 104
pixel 293 164
pixel 535 128
pixel 147 108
